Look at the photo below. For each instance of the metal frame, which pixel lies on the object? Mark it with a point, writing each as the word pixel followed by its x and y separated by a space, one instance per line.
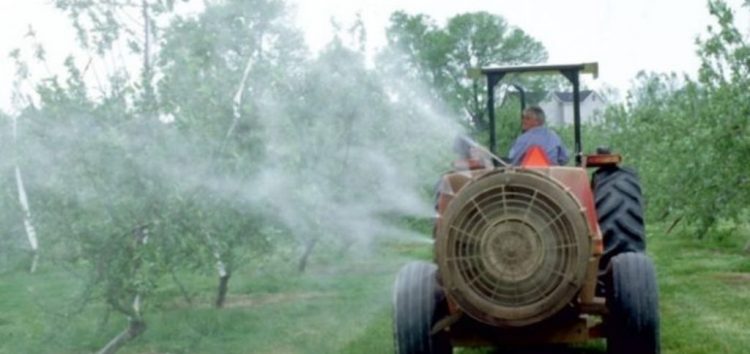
pixel 522 96
pixel 571 72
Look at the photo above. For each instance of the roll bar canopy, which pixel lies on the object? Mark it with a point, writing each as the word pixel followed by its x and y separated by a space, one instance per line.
pixel 570 71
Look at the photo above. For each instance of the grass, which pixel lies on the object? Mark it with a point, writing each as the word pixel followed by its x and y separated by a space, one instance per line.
pixel 344 306
pixel 705 295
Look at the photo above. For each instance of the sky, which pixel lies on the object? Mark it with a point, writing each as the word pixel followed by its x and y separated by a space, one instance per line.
pixel 624 37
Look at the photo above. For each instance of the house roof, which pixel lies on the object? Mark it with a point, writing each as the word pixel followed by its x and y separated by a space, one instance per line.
pixel 532 97
pixel 568 96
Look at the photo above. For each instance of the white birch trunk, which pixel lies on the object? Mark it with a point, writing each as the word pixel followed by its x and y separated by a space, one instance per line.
pixel 236 115
pixel 137 305
pixel 224 273
pixel 220 265
pixel 24 201
pixel 141 239
pixel 237 101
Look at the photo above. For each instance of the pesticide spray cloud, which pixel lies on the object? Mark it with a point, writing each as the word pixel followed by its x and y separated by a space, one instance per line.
pixel 331 149
pixel 331 155
pixel 355 149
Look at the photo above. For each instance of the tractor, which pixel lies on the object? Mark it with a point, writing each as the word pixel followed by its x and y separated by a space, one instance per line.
pixel 533 255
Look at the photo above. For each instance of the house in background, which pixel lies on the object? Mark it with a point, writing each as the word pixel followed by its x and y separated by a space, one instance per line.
pixel 558 106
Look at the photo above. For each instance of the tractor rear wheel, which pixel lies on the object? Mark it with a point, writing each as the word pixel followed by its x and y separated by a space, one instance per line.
pixel 418 303
pixel 632 324
pixel 619 205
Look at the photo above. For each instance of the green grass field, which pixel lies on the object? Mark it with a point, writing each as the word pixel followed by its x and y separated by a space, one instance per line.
pixel 344 306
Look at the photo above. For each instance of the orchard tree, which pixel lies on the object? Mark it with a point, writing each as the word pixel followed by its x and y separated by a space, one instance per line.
pixel 723 130
pixel 443 56
pixel 216 68
pixel 689 138
pixel 136 24
pixel 95 170
pixel 90 161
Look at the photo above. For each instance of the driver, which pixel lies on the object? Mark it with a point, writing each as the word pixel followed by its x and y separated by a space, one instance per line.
pixel 535 133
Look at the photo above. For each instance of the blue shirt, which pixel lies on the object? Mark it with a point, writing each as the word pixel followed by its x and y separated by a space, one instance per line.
pixel 546 139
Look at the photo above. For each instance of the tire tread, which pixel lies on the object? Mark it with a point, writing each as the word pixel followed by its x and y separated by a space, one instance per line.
pixel 417 301
pixel 619 205
pixel 633 301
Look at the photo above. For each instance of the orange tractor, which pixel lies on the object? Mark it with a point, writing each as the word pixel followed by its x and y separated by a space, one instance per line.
pixel 533 254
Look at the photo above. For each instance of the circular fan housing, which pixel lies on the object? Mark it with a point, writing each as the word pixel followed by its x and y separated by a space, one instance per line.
pixel 513 248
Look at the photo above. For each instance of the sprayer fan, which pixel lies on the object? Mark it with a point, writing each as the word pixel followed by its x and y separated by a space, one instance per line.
pixel 513 247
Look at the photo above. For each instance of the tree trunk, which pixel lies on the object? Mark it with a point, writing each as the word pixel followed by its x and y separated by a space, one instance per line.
pixel 309 246
pixel 24 201
pixel 674 223
pixel 135 328
pixel 221 294
pixel 223 270
pixel 34 261
pixel 237 101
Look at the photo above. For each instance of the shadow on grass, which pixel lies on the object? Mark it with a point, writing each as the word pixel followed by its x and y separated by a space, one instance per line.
pixel 378 338
pixel 541 350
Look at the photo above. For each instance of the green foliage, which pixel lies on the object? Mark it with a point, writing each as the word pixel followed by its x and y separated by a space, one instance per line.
pixel 256 149
pixel 89 183
pixel 100 24
pixel 236 145
pixel 690 139
pixel 443 56
pixel 203 60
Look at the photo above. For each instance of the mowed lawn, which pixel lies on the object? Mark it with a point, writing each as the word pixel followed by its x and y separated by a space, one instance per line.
pixel 705 295
pixel 342 305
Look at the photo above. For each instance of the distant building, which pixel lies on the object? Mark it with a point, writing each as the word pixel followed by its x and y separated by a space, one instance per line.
pixel 558 107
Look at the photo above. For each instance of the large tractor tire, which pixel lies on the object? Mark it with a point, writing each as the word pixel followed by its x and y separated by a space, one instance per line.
pixel 619 205
pixel 632 324
pixel 418 302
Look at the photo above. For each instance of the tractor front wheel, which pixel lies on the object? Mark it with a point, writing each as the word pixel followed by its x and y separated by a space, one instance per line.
pixel 632 324
pixel 418 303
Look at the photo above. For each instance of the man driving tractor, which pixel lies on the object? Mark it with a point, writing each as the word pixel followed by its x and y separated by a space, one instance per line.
pixel 535 133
